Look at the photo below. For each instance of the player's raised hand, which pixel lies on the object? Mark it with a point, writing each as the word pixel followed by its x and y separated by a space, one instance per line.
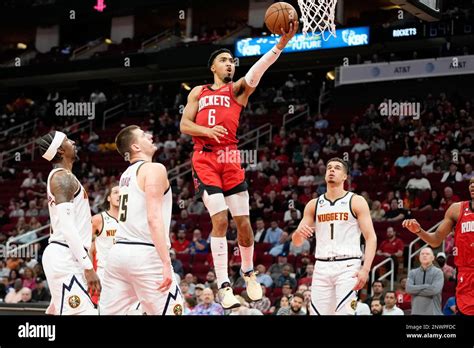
pixel 217 132
pixel 306 231
pixel 167 278
pixel 412 225
pixel 362 275
pixel 287 36
pixel 93 282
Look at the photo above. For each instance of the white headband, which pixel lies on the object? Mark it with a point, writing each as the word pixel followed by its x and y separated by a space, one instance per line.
pixel 53 148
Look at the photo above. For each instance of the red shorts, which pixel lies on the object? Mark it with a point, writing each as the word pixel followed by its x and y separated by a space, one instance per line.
pixel 218 171
pixel 465 291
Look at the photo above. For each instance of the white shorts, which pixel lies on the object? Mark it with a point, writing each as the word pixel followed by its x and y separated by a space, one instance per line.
pixel 132 275
pixel 331 289
pixel 237 203
pixel 66 281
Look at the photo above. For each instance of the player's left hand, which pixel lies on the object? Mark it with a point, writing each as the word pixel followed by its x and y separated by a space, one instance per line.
pixel 287 36
pixel 362 277
pixel 167 278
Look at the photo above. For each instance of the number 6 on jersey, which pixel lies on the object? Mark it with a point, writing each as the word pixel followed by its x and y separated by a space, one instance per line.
pixel 211 119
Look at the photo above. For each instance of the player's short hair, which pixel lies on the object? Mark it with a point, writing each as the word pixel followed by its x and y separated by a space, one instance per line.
pixel 215 54
pixel 390 292
pixel 124 139
pixel 44 142
pixel 340 160
pixel 378 281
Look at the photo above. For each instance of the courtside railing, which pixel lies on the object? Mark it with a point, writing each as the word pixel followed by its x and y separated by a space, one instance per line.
pixel 390 273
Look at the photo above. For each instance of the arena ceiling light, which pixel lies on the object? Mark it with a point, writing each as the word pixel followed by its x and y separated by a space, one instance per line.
pixel 21 46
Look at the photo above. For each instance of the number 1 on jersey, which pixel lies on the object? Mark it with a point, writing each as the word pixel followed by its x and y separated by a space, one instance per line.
pixel 332 231
pixel 211 118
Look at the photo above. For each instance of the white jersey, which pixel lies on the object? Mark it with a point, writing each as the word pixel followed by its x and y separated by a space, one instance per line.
pixel 105 238
pixel 337 229
pixel 82 215
pixel 133 221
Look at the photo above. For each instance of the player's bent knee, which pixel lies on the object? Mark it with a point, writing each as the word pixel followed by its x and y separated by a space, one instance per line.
pixel 238 203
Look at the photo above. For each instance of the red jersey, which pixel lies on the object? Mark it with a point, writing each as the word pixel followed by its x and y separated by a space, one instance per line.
pixel 218 108
pixel 464 237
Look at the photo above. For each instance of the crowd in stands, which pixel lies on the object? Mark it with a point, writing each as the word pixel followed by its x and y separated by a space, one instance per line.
pixel 402 166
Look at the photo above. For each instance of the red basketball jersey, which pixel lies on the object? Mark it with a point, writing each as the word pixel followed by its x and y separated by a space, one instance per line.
pixel 218 108
pixel 464 237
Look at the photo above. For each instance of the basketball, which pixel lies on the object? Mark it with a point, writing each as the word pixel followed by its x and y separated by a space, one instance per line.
pixel 280 15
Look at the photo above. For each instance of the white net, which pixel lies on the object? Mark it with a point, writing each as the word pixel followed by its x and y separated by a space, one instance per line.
pixel 318 17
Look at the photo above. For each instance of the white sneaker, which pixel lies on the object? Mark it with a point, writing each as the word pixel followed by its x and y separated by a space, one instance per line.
pixel 227 298
pixel 254 289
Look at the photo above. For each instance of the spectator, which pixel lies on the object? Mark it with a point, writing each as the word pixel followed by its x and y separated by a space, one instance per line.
pixel 198 245
pixel 296 306
pixel 40 293
pixel 392 247
pixel 288 214
pixel 307 276
pixel 262 277
pixel 390 307
pixel 260 231
pixel 29 278
pixel 208 306
pixel 403 160
pixel 448 271
pixel 282 247
pixel 181 244
pixel 273 234
pixel 418 159
pixel 32 209
pixel 450 306
pixel 97 97
pixel 469 173
pixel 360 146
pixel 418 182
pixel 307 179
pixel 14 295
pixel 198 292
pixel 189 305
pixel 433 203
pixel 29 182
pixel 282 302
pixel 377 289
pixel 448 199
pixel 286 278
pixel 210 279
pixel 395 213
pixel 275 269
pixel 25 295
pixel 300 250
pixel 177 264
pixel 452 176
pixel 271 203
pixel 4 219
pixel 17 211
pixel 188 278
pixel 321 123
pixel 195 207
pixel 264 304
pixel 184 221
pixel 376 212
pixel 425 284
pixel 428 167
pixel 403 298
pixel 376 307
pixel 34 223
pixel 273 185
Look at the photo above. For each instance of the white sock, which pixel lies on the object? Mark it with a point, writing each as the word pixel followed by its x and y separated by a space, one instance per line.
pixel 219 256
pixel 246 254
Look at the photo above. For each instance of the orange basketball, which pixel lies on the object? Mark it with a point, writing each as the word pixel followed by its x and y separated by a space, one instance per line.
pixel 280 15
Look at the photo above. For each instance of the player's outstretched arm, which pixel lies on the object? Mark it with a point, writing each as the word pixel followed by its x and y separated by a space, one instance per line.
pixel 245 86
pixel 362 211
pixel 63 187
pixel 306 227
pixel 155 185
pixel 187 124
pixel 435 239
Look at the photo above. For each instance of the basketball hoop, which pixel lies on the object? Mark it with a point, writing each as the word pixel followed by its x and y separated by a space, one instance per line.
pixel 318 17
